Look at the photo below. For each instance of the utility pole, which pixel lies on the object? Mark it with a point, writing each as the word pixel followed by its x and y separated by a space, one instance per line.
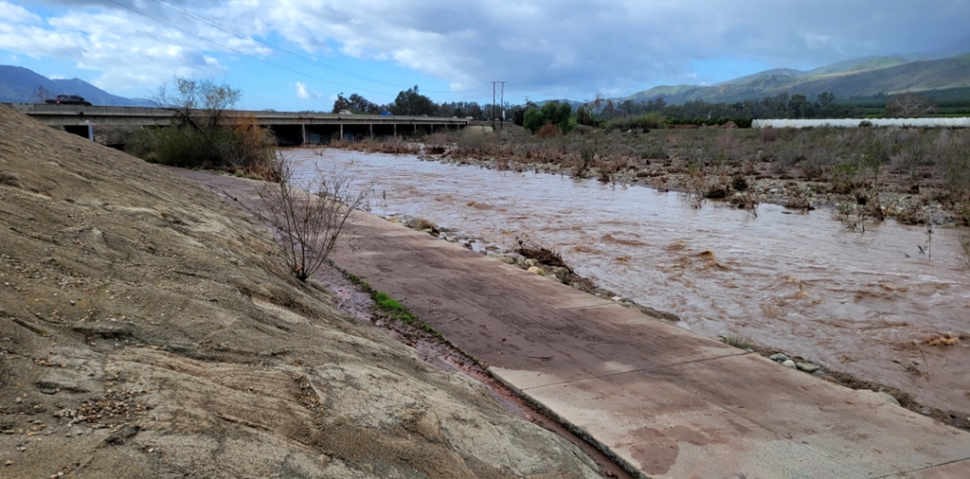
pixel 493 103
pixel 502 102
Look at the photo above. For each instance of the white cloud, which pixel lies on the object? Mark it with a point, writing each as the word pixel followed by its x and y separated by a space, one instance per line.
pixel 304 93
pixel 555 47
pixel 16 14
pixel 129 51
pixel 590 45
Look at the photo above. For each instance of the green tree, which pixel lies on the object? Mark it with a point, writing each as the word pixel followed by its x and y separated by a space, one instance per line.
pixel 559 114
pixel 412 103
pixel 356 104
pixel 533 120
pixel 799 106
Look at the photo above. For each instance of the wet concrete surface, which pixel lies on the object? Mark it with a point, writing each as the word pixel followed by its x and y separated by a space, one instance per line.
pixel 865 304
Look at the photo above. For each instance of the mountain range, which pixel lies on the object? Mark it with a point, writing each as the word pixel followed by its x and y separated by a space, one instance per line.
pixel 944 69
pixel 18 85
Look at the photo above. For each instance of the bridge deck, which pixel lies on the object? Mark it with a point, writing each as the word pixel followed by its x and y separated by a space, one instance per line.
pixel 81 115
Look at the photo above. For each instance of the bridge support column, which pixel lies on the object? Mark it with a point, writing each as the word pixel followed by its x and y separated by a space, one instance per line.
pixel 341 132
pixel 371 130
pixel 86 131
pixel 303 127
pixel 432 128
pixel 395 130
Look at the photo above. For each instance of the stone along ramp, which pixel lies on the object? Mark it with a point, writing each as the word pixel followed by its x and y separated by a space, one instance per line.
pixel 667 402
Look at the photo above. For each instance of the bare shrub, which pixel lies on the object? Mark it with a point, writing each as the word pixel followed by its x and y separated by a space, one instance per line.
pixel 336 141
pixel 473 142
pixel 728 144
pixel 250 149
pixel 437 143
pixel 768 134
pixel 739 183
pixel 909 105
pixel 309 218
pixel 747 201
pixel 425 224
pixel 397 146
pixel 609 169
pixel 549 131
pixel 965 246
pixel 739 341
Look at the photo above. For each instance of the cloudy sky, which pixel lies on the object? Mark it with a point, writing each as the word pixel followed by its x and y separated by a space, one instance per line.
pixel 298 54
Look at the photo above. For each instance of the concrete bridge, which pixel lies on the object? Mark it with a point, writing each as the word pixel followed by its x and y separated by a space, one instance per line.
pixel 290 127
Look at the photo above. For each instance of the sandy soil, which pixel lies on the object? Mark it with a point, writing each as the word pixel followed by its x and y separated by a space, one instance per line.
pixel 147 327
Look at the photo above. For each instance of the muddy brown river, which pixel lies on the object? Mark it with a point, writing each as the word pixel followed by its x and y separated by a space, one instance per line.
pixel 861 303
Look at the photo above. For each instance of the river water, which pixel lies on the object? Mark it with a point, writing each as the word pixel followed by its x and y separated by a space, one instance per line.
pixel 861 303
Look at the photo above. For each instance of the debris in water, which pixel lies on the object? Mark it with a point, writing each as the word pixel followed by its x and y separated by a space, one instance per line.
pixel 542 254
pixel 947 339
pixel 712 262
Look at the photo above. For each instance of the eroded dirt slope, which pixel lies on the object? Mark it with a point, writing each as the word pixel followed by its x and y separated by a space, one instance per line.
pixel 147 330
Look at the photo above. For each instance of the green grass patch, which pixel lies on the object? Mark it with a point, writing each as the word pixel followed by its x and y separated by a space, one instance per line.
pixel 383 300
pixel 392 308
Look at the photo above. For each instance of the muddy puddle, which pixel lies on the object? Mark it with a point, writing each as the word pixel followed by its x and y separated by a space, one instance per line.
pixel 861 303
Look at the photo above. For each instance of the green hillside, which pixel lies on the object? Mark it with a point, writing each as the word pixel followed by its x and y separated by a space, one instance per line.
pixel 865 77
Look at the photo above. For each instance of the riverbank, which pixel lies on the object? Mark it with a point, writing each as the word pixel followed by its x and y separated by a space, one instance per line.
pixel 913 175
pixel 147 326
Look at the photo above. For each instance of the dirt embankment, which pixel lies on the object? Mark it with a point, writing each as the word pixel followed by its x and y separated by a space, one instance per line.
pixel 147 330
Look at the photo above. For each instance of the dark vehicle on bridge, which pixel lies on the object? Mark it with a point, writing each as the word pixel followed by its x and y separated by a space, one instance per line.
pixel 68 100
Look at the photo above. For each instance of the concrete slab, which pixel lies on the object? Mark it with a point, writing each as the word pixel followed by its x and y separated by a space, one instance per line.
pixel 851 428
pixel 745 416
pixel 956 470
pixel 668 431
pixel 508 317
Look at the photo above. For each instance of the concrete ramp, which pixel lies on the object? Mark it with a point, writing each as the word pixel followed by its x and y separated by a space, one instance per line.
pixel 667 402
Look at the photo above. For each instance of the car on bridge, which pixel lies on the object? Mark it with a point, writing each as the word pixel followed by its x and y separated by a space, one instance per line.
pixel 68 100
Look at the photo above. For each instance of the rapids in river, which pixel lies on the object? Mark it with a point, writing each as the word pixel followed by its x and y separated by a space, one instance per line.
pixel 860 303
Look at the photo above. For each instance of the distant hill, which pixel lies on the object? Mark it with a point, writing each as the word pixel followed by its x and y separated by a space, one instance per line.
pixel 862 77
pixel 18 84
